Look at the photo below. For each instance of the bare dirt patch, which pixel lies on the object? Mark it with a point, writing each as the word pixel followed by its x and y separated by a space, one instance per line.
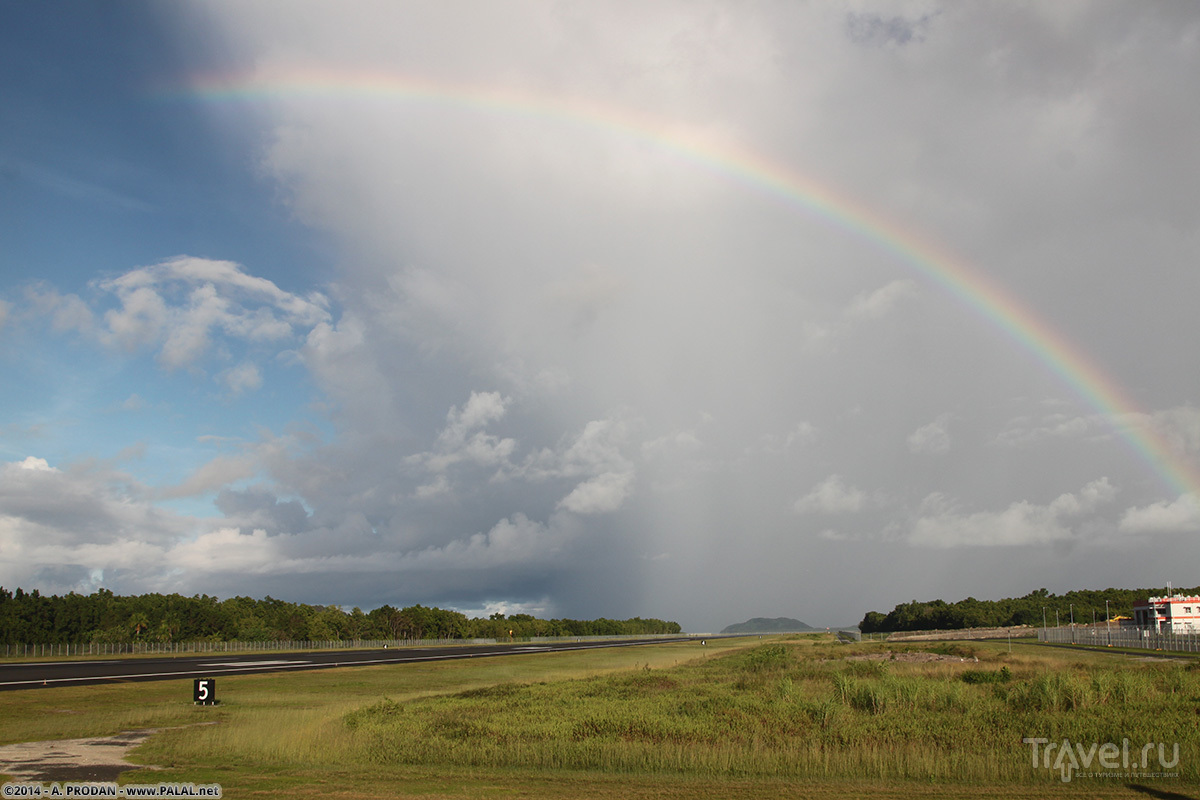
pixel 911 658
pixel 97 759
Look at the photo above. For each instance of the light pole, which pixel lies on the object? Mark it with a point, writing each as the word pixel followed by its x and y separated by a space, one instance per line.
pixel 1072 623
pixel 1057 624
pixel 1107 626
pixel 1044 634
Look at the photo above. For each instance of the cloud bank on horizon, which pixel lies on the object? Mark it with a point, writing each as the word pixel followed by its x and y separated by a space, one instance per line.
pixel 497 307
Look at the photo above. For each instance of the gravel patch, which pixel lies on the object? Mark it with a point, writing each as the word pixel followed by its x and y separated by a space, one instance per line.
pixel 100 758
pixel 911 658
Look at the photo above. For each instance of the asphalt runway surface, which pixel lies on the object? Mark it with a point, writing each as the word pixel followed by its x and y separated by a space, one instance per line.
pixel 25 675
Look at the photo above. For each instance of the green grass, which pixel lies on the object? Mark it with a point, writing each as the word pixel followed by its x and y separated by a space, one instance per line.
pixel 736 718
pixel 77 711
pixel 779 711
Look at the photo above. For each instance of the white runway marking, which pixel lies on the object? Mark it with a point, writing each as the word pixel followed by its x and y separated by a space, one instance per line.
pixel 253 663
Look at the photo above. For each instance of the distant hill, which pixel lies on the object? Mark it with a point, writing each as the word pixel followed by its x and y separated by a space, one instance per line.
pixel 764 625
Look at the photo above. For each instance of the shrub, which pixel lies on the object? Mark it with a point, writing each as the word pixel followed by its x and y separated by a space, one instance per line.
pixel 870 669
pixel 382 711
pixel 1003 675
pixel 771 656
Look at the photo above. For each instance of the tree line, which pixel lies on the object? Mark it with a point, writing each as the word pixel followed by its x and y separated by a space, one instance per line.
pixel 103 617
pixel 1086 605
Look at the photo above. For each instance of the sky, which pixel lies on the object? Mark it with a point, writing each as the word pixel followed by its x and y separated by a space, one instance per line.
pixel 691 310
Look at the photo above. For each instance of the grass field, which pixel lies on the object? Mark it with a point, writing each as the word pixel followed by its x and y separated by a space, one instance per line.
pixel 780 717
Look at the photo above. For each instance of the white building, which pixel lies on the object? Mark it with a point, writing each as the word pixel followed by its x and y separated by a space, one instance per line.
pixel 1168 614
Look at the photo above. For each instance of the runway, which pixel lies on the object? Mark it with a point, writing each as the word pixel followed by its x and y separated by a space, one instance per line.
pixel 25 675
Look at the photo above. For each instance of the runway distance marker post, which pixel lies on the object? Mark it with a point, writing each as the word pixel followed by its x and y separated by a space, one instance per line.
pixel 204 691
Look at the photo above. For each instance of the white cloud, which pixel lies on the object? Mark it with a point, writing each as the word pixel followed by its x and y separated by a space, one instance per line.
pixel 481 409
pixel 834 535
pixel 598 446
pixel 229 549
pixel 438 487
pixel 595 454
pixel 597 449
pixel 242 378
pixel 1180 426
pixel 82 517
pixel 179 305
pixel 85 522
pixel 139 322
pixel 1090 497
pixel 931 439
pixel 804 432
pixel 217 473
pixel 36 464
pixel 832 496
pixel 680 441
pixel 1021 431
pixel 231 281
pixel 882 300
pixel 343 359
pixel 1180 516
pixel 581 298
pixel 537 608
pixel 942 524
pixel 66 312
pixel 513 542
pixel 517 540
pixel 1091 427
pixel 461 441
pixel 604 493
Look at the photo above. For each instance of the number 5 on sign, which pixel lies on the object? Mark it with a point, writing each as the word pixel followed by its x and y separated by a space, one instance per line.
pixel 204 691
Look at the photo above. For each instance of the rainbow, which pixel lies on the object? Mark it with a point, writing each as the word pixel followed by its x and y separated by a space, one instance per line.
pixel 928 259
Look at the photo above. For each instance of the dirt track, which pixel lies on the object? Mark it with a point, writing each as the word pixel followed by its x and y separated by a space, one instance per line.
pixel 915 658
pixel 97 759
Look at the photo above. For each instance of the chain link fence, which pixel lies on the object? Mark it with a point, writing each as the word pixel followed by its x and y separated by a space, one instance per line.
pixel 180 648
pixel 1013 632
pixel 1121 636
